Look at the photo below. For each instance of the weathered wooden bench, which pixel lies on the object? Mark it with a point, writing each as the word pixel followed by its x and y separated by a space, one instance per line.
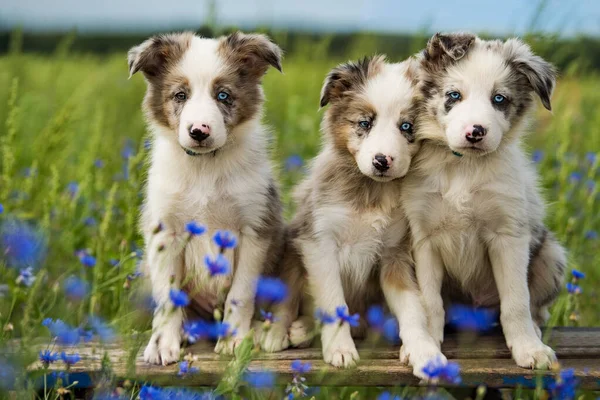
pixel 485 360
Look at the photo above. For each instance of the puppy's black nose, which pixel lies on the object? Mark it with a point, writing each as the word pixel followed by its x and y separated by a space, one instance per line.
pixel 199 132
pixel 476 134
pixel 382 162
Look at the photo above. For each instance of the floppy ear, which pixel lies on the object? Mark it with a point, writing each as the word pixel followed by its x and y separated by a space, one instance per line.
pixel 154 56
pixel 448 47
pixel 255 52
pixel 540 73
pixel 346 77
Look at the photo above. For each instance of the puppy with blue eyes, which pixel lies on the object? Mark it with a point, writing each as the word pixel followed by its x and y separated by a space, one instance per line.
pixel 475 211
pixel 350 237
pixel 209 164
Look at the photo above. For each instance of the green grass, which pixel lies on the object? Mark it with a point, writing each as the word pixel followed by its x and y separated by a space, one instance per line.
pixel 63 112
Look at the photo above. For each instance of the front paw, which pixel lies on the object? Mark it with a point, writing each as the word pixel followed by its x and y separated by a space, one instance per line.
pixel 275 338
pixel 226 346
pixel 418 355
pixel 532 353
pixel 164 348
pixel 340 352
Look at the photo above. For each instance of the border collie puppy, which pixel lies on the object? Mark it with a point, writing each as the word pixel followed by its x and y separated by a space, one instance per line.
pixel 350 233
pixel 472 197
pixel 209 164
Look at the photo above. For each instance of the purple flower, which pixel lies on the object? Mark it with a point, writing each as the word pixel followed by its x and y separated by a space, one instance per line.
pixel 344 316
pixel 578 274
pixel 376 317
pixel 217 266
pixel 391 331
pixel 324 318
pixel 26 277
pixel 537 156
pixel 271 290
pixel 565 386
pixel 98 163
pixel 293 163
pixel 88 260
pixel 574 289
pixel 75 288
pixel 186 369
pixel 267 316
pixel 90 221
pixel 590 156
pixel 471 318
pixel 261 379
pixel 225 239
pixel 70 359
pixel 128 151
pixel 591 235
pixel 179 298
pixel 64 333
pixel 575 177
pixel 47 357
pixel 300 368
pixel 194 228
pixel 73 188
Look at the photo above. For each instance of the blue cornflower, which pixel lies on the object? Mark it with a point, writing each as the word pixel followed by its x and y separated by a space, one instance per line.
pixel 221 330
pixel 225 239
pixel 591 185
pixel 26 276
pixel 575 177
pixel 21 244
pixel 391 331
pixel 271 290
pixel 90 221
pixel 261 379
pixel 472 319
pixel 47 357
pixel 179 298
pixel 300 368
pixel 194 228
pixel 64 333
pixel 217 266
pixel 1 208
pixel 88 260
pixel 293 162
pixel 267 315
pixel 344 316
pixel 574 289
pixel 151 393
pixel 537 156
pixel 196 330
pixel 70 359
pixel 128 151
pixel 186 369
pixel 73 188
pixel 46 321
pixel 590 156
pixel 591 235
pixel 86 334
pixel 388 396
pixel 113 262
pixel 98 163
pixel 565 386
pixel 324 318
pixel 578 274
pixel 102 329
pixel 376 317
pixel 76 288
pixel 436 369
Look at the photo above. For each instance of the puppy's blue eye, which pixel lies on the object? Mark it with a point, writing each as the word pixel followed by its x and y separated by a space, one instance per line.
pixel 454 95
pixel 499 99
pixel 222 96
pixel 406 126
pixel 364 124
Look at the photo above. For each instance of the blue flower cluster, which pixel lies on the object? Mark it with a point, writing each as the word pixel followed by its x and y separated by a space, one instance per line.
pixel 271 290
pixel 155 393
pixel 437 370
pixel 200 330
pixel 179 298
pixel 565 386
pixel 474 319
pixel 186 369
pixel 218 265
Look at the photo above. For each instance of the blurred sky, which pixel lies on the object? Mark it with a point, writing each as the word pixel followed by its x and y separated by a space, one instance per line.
pixel 568 17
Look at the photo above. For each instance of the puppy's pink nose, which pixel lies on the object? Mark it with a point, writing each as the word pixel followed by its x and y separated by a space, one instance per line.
pixel 199 131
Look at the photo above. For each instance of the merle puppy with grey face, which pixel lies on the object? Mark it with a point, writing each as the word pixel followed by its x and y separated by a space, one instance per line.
pixel 472 201
pixel 209 164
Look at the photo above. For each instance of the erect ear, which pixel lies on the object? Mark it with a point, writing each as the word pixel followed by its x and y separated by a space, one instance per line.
pixel 156 54
pixel 448 47
pixel 540 73
pixel 253 52
pixel 347 77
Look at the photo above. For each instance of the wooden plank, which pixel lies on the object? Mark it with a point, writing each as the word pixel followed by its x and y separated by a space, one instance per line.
pixel 483 360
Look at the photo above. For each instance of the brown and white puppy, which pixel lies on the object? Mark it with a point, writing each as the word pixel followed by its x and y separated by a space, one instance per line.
pixel 472 198
pixel 350 234
pixel 209 164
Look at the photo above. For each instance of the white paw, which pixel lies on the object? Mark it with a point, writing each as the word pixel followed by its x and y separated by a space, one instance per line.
pixel 275 338
pixel 301 333
pixel 164 348
pixel 228 345
pixel 532 353
pixel 340 351
pixel 419 355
